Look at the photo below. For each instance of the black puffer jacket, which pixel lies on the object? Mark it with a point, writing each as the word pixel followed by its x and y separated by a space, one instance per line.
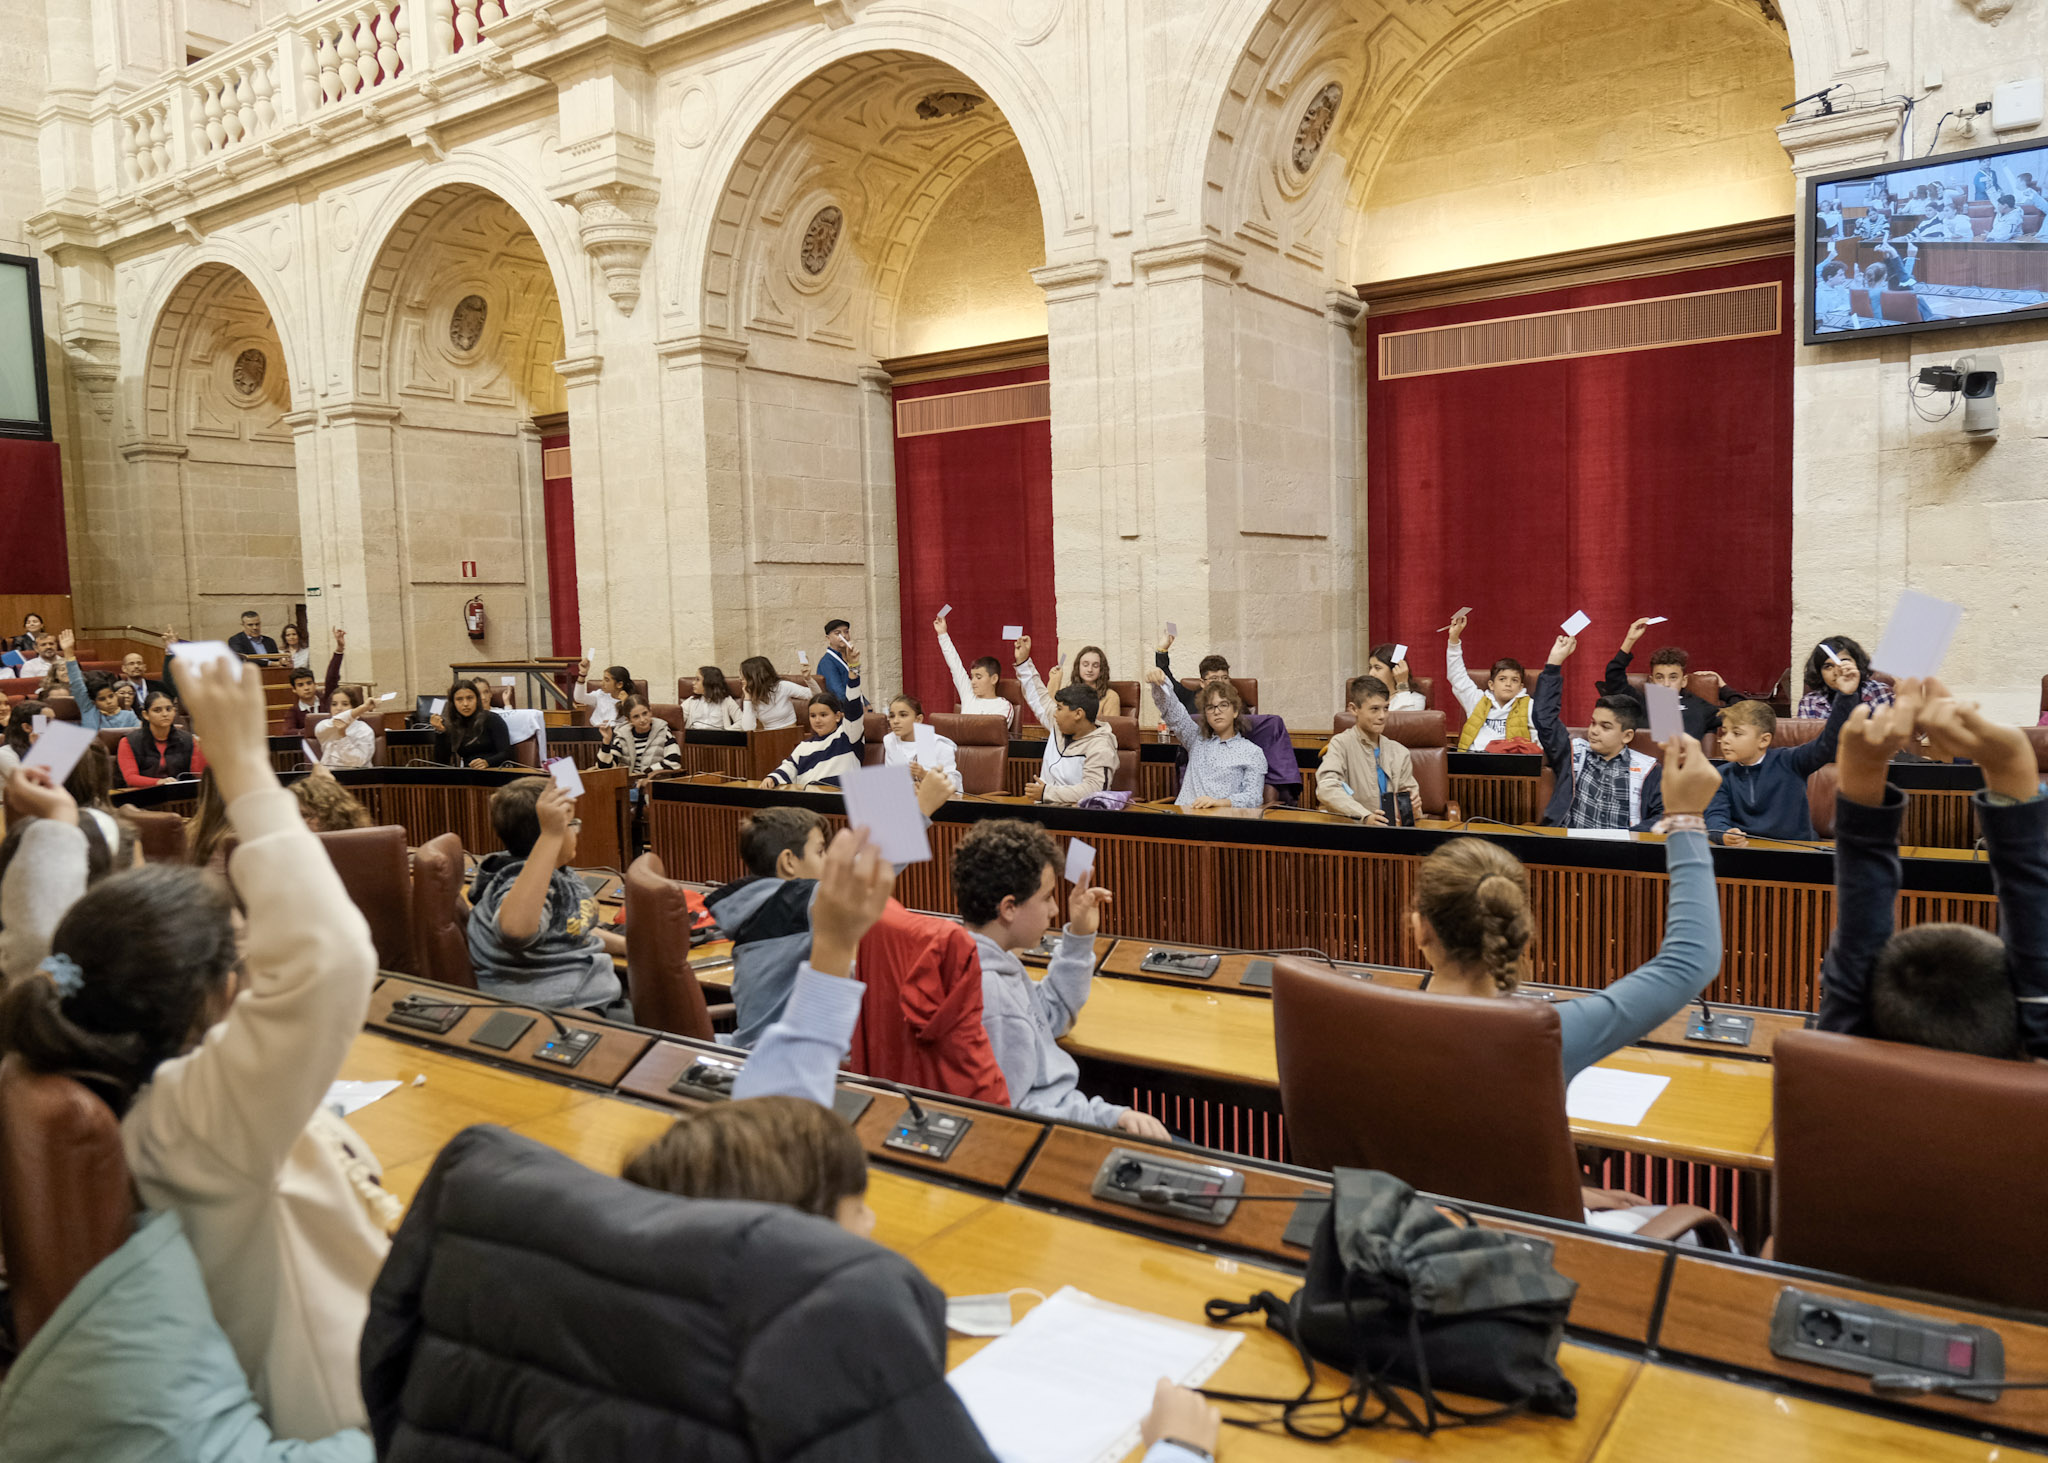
pixel 534 1310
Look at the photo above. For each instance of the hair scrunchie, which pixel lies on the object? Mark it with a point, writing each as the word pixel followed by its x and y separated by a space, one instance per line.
pixel 64 974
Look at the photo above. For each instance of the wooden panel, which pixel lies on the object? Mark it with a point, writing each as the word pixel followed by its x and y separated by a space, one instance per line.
pixel 1066 1166
pixel 617 1050
pixel 1722 1313
pixel 1504 799
pixel 1618 1281
pixel 54 608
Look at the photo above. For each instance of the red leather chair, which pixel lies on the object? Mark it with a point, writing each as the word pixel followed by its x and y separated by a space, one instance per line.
pixel 1127 694
pixel 983 744
pixel 440 914
pixel 161 836
pixel 373 865
pixel 1126 729
pixel 678 723
pixel 665 991
pixel 526 753
pixel 1796 731
pixel 1424 734
pixel 1900 1165
pixel 873 727
pixel 1821 791
pixel 1374 1077
pixel 65 1198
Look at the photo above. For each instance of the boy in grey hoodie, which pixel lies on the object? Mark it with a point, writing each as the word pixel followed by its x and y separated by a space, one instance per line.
pixel 1006 879
pixel 1080 753
pixel 767 915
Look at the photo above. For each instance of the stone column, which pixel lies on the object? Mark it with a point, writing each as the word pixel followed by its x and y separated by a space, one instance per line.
pixel 704 454
pixel 159 588
pixel 316 532
pixel 369 594
pixel 594 522
pixel 881 642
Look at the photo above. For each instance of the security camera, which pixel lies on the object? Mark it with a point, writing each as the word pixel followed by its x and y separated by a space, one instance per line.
pixel 1980 394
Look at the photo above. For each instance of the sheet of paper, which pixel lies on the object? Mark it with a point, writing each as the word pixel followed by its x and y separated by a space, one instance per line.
pixel 388 696
pixel 508 680
pixel 38 724
pixel 1013 632
pixel 1400 654
pixel 1666 720
pixel 354 1096
pixel 438 705
pixel 945 610
pixel 1609 1095
pixel 204 652
pixel 566 777
pixel 1462 610
pixel 1073 1382
pixel 1829 651
pixel 1080 859
pixel 1607 835
pixel 925 734
pixel 590 654
pixel 59 748
pixel 883 800
pixel 1657 620
pixel 1916 639
pixel 1579 621
pixel 1173 629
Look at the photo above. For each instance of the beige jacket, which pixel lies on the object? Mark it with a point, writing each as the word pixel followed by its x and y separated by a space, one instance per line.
pixel 273 1188
pixel 1070 770
pixel 1347 760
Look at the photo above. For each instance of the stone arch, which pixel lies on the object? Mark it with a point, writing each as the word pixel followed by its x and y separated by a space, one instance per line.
pixel 189 281
pixel 741 154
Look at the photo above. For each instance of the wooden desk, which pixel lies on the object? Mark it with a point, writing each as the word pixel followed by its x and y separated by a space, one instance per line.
pixel 1006 1245
pixel 1715 1110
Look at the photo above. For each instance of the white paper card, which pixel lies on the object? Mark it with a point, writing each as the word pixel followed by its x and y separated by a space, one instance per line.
pixel 59 748
pixel 311 748
pixel 388 696
pixel 1579 621
pixel 1400 654
pixel 204 652
pixel 590 654
pixel 1829 651
pixel 883 800
pixel 566 777
pixel 925 734
pixel 1657 620
pixel 1666 720
pixel 1080 860
pixel 1013 632
pixel 1462 610
pixel 945 610
pixel 438 705
pixel 1915 641
pixel 1073 1382
pixel 354 1096
pixel 1610 1095
pixel 38 724
pixel 508 680
pixel 1172 630
pixel 1603 835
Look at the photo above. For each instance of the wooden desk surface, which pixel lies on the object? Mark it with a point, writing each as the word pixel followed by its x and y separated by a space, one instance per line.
pixel 1006 1245
pixel 1715 1110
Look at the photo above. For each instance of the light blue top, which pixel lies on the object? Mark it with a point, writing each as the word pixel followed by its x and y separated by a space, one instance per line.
pixel 1234 770
pixel 88 713
pixel 1605 1021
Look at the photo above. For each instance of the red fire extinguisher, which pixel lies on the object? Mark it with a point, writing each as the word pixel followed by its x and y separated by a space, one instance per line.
pixel 473 617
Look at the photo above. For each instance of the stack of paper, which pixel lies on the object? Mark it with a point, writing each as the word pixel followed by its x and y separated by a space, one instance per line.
pixel 1609 1095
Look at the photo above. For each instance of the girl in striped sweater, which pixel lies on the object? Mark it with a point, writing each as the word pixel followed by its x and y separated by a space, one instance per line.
pixel 834 746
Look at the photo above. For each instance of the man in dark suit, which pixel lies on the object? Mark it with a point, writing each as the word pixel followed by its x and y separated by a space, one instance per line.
pixel 135 674
pixel 252 641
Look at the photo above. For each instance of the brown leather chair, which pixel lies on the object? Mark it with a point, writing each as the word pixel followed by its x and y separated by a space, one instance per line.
pixel 525 753
pixel 678 723
pixel 440 915
pixel 1821 790
pixel 873 727
pixel 634 687
pixel 372 863
pixel 1423 733
pixel 665 992
pixel 1127 693
pixel 1247 687
pixel 983 744
pixel 65 1198
pixel 1126 729
pixel 161 836
pixel 1901 1165
pixel 1373 1077
pixel 111 738
pixel 1797 731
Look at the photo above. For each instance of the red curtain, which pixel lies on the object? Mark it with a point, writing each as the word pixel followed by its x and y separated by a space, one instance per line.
pixel 558 510
pixel 974 530
pixel 33 556
pixel 1653 482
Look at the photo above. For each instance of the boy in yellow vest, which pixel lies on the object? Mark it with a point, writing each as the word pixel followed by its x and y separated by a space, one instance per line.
pixel 1501 711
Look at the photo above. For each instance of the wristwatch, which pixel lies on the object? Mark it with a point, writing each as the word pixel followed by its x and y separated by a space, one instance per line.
pixel 1681 823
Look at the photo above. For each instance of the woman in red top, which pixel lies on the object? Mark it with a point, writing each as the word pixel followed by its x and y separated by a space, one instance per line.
pixel 159 750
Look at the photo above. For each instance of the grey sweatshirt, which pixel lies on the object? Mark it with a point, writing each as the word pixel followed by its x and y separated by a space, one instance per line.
pixel 1026 1018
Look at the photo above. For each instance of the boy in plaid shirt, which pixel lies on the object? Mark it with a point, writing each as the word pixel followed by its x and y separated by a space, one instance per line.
pixel 1601 782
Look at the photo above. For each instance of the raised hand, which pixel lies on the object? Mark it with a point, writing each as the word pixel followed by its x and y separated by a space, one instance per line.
pixel 939 625
pixel 1155 677
pixel 66 641
pixel 852 892
pixel 1085 906
pixel 1457 627
pixel 230 719
pixel 1023 649
pixel 31 794
pixel 1958 729
pixel 933 789
pixel 1690 780
pixel 1562 650
pixel 1871 737
pixel 340 639
pixel 1635 632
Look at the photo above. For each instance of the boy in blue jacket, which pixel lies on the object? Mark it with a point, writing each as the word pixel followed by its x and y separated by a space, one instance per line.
pixel 1763 788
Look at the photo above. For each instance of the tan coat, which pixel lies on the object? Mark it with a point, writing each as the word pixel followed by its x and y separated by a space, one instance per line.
pixel 1348 760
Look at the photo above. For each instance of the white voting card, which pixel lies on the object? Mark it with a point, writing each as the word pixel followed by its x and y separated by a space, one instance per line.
pixel 1579 621
pixel 1172 630
pixel 59 748
pixel 566 777
pixel 945 610
pixel 508 680
pixel 438 705
pixel 1400 654
pixel 354 1096
pixel 883 800
pixel 1080 860
pixel 590 654
pixel 1073 1381
pixel 1666 720
pixel 1915 640
pixel 203 652
pixel 1013 632
pixel 802 659
pixel 388 696
pixel 1829 651
pixel 1462 610
pixel 925 734
pixel 1657 620
pixel 1610 1095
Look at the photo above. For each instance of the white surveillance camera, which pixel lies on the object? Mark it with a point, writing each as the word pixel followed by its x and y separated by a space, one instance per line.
pixel 1980 394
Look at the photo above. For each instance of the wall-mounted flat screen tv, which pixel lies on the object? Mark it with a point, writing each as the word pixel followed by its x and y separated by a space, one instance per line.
pixel 1958 239
pixel 24 393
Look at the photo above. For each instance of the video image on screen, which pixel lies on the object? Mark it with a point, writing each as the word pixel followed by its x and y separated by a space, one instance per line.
pixel 1948 240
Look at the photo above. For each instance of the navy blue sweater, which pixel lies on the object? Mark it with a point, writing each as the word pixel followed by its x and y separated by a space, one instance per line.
pixel 1768 798
pixel 1867 889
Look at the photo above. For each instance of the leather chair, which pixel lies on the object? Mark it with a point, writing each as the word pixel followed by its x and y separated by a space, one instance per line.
pixel 1127 693
pixel 1905 1166
pixel 1796 731
pixel 1424 734
pixel 983 744
pixel 1247 687
pixel 686 686
pixel 440 915
pixel 666 994
pixel 161 836
pixel 525 753
pixel 111 739
pixel 373 867
pixel 1126 729
pixel 1373 1077
pixel 65 1198
pixel 873 727
pixel 677 722
pixel 634 687
pixel 1821 790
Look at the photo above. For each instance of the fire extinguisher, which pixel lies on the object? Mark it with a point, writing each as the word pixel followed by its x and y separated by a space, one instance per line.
pixel 473 617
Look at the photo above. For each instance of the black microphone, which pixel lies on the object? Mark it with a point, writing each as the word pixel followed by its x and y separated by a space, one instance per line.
pixel 420 999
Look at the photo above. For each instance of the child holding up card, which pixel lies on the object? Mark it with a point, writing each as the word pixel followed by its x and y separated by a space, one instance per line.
pixel 1388 664
pixel 1839 666
pixel 346 740
pixel 1498 713
pixel 1091 669
pixel 976 684
pixel 1763 788
pixel 533 925
pixel 1601 782
pixel 769 700
pixel 834 746
pixel 910 740
pixel 1668 667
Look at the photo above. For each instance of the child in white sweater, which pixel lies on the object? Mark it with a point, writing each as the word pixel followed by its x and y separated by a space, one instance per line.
pixel 976 684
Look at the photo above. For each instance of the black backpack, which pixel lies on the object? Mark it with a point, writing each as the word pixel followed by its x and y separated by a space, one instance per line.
pixel 1399 1295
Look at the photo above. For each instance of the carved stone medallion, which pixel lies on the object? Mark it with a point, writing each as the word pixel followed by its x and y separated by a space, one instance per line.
pixel 1315 126
pixel 821 238
pixel 466 325
pixel 250 369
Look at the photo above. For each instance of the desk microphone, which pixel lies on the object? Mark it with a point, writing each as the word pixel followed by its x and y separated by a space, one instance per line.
pixel 419 1000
